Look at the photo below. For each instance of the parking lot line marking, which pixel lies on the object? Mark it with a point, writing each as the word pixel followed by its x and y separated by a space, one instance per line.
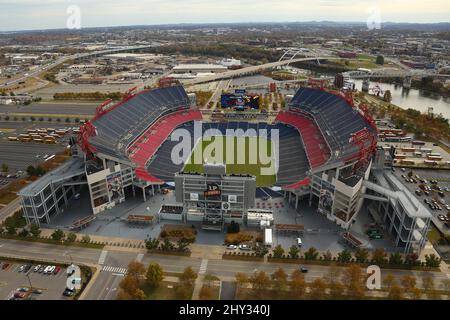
pixel 203 266
pixel 102 258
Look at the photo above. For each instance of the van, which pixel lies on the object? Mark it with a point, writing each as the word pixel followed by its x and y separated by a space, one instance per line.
pixel 299 242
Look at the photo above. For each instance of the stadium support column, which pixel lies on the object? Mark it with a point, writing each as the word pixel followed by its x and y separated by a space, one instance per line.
pixel 407 83
pixel 143 194
pixel 290 197
pixel 296 201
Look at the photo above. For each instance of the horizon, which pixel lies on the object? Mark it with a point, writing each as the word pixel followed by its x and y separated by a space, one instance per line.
pixel 29 15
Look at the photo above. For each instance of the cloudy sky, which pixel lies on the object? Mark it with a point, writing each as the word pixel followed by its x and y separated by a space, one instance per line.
pixel 45 14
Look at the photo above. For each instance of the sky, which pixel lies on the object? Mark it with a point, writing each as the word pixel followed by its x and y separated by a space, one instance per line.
pixel 55 14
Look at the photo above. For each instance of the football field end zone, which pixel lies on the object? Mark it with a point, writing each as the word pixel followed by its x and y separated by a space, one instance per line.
pixel 235 168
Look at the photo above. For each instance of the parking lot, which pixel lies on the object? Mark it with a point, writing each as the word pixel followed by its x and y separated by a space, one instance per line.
pixel 35 285
pixel 432 188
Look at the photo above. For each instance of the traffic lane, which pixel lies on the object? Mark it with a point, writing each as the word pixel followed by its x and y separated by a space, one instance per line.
pixel 52 108
pixel 105 286
pixel 229 268
pixel 48 252
pixel 173 263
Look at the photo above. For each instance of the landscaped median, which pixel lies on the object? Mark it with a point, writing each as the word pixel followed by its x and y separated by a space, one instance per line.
pixel 248 256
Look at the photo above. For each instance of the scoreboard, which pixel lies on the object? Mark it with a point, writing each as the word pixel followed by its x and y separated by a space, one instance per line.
pixel 240 101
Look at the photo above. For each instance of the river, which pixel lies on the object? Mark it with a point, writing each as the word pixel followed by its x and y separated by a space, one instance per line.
pixel 412 98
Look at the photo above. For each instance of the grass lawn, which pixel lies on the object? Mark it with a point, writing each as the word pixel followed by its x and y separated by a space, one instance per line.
pixel 434 234
pixel 242 155
pixel 165 291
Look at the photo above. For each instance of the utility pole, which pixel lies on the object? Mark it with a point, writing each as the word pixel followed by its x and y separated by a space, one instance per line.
pixel 31 286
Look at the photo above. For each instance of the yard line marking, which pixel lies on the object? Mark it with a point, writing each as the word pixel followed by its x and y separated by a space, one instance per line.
pixel 101 259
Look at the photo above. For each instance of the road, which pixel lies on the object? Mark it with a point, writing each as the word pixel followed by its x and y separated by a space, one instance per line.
pixel 72 108
pixel 114 263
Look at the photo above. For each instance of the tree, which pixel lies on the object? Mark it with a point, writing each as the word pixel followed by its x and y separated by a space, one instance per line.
pixel 354 280
pixel 241 279
pixel 71 237
pixel 318 288
pixel 361 255
pixel 167 245
pixel 154 274
pixel 379 256
pixel 129 288
pixel 408 282
pixel 233 227
pixel 311 254
pixel 206 293
pixel 188 276
pixel 11 230
pixel 395 259
pixel 58 235
pixel 260 283
pixel 293 252
pixel 389 280
pixel 152 244
pixel 432 261
pixel 136 269
pixel 336 289
pixel 379 60
pixel 344 256
pixel 35 230
pixel 327 256
pixel 279 280
pixel 278 252
pixel 183 244
pixel 395 292
pixel 86 239
pixel 297 284
pixel 24 233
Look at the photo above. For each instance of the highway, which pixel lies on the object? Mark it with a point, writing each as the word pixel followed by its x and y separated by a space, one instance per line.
pixel 72 108
pixel 114 264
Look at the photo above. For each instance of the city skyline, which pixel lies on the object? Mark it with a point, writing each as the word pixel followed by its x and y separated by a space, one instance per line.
pixel 54 14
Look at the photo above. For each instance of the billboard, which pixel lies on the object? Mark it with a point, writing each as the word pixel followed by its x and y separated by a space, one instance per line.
pixel 240 101
pixel 212 190
pixel 115 187
pixel 326 198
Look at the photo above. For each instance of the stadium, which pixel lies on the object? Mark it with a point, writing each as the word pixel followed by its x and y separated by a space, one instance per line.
pixel 326 148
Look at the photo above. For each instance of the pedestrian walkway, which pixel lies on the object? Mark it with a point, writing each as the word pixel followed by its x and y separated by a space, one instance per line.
pixel 112 269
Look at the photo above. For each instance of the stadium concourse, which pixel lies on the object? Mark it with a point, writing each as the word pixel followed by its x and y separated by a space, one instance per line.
pixel 327 147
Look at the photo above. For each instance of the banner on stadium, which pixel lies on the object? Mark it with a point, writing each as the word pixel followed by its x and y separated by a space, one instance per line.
pixel 326 198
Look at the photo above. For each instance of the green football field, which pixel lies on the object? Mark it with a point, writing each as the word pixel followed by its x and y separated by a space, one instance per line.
pixel 242 155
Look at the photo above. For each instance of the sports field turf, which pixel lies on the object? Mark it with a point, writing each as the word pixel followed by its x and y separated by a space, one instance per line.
pixel 242 155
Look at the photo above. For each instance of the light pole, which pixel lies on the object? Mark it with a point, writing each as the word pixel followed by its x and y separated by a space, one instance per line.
pixel 31 286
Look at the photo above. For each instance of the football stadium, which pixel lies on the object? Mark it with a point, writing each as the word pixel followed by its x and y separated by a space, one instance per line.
pixel 319 150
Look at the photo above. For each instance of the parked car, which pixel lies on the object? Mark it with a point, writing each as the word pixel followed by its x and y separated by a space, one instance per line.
pixel 37 291
pixel 20 295
pixel 418 192
pixel 245 247
pixel 21 268
pixel 41 269
pixel 299 242
pixel 441 217
pixel 5 265
pixel 68 292
pixel 47 268
pixel 303 269
pixel 232 247
pixel 440 193
pixel 51 269
pixel 427 193
pixel 36 268
pixel 57 269
pixel 23 289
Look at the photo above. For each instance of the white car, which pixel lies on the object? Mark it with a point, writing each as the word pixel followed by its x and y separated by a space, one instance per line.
pixel 51 269
pixel 245 247
pixel 232 247
pixel 36 269
pixel 47 268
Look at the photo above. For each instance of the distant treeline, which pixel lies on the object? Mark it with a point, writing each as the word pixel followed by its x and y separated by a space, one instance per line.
pixel 88 96
pixel 237 51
